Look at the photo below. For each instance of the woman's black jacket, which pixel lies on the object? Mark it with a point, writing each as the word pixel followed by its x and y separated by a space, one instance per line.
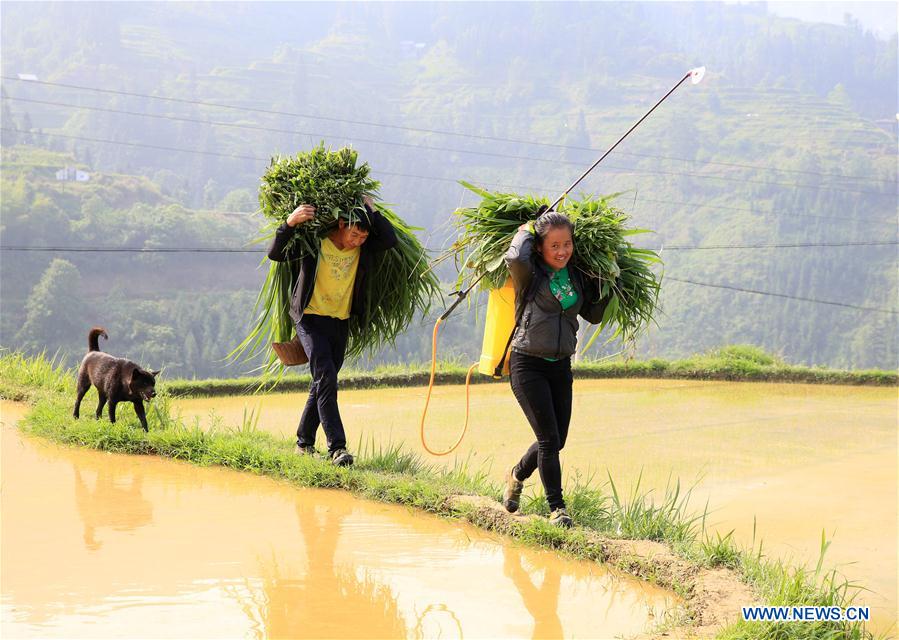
pixel 545 329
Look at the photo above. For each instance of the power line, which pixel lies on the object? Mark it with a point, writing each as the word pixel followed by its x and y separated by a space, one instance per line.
pixel 253 127
pixel 490 154
pixel 442 132
pixel 62 249
pixel 94 249
pixel 780 245
pixel 633 215
pixel 470 136
pixel 229 250
pixel 426 177
pixel 781 295
pixel 751 166
pixel 235 156
pixel 259 158
pixel 760 211
pixel 137 144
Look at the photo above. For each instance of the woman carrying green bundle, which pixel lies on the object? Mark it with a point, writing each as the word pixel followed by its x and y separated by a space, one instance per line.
pixel 329 289
pixel 549 296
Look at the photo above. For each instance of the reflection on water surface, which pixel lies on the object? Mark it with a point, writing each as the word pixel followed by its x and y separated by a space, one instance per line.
pixel 795 459
pixel 103 545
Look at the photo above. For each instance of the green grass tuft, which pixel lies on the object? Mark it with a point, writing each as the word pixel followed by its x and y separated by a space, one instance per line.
pixel 22 377
pixel 668 520
pixel 782 584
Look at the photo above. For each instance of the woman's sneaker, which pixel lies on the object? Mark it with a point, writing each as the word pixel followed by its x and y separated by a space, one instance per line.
pixel 304 450
pixel 341 458
pixel 560 518
pixel 512 494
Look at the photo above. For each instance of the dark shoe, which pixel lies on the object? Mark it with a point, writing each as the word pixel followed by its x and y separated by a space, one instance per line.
pixel 304 450
pixel 341 458
pixel 560 518
pixel 512 494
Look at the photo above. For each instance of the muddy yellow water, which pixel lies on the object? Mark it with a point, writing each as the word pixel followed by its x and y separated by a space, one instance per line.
pixel 793 460
pixel 103 545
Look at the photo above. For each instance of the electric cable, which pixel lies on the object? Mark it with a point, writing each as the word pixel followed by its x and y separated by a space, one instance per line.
pixel 420 129
pixel 95 249
pixel 427 177
pixel 74 249
pixel 783 245
pixel 235 156
pixel 782 295
pixel 698 205
pixel 491 154
pixel 667 277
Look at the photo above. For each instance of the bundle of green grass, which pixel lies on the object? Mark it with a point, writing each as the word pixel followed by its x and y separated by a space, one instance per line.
pixel 335 184
pixel 601 250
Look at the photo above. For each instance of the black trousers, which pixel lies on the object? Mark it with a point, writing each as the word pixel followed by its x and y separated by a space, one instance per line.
pixel 543 389
pixel 324 340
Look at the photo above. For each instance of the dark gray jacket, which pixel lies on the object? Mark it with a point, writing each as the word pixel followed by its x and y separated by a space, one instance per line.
pixel 381 238
pixel 545 330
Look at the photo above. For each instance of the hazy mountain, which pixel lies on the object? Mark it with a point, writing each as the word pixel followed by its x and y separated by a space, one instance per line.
pixel 790 140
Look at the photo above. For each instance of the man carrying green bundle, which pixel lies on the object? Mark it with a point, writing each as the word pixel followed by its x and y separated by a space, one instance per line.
pixel 329 289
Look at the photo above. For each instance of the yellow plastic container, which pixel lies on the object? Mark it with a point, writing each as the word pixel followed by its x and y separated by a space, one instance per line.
pixel 499 325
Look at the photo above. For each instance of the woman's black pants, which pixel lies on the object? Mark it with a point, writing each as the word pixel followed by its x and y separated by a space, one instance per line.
pixel 543 389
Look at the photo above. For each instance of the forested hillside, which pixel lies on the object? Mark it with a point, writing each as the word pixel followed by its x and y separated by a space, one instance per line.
pixel 771 186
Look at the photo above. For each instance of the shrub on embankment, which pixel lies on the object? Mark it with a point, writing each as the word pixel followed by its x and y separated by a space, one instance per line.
pixel 737 363
pixel 390 474
pixel 22 377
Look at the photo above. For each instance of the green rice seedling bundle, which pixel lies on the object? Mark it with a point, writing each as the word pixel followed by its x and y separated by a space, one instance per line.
pixel 401 286
pixel 601 251
pixel 328 180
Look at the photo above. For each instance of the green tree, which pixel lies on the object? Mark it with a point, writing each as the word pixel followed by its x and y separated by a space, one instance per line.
pixel 8 138
pixel 210 193
pixel 238 200
pixel 577 137
pixel 25 137
pixel 55 314
pixel 47 220
pixel 840 96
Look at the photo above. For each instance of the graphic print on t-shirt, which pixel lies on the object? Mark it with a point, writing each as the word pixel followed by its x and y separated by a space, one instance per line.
pixel 334 279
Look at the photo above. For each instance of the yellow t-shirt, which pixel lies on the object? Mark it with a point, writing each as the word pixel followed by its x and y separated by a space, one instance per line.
pixel 334 278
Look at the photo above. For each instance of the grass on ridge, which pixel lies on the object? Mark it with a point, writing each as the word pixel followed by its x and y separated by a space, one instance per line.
pixel 734 362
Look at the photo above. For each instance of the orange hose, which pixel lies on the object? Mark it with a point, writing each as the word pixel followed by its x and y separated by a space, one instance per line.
pixel 428 398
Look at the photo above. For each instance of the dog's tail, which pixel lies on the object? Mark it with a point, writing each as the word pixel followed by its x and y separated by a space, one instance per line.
pixel 93 338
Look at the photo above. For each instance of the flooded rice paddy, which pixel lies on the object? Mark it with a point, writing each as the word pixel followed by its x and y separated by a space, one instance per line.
pixel 104 545
pixel 792 460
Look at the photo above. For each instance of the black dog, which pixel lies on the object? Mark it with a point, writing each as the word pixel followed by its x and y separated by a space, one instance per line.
pixel 117 380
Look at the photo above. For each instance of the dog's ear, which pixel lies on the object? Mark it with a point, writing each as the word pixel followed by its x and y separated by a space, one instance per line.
pixel 128 371
pixel 156 373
